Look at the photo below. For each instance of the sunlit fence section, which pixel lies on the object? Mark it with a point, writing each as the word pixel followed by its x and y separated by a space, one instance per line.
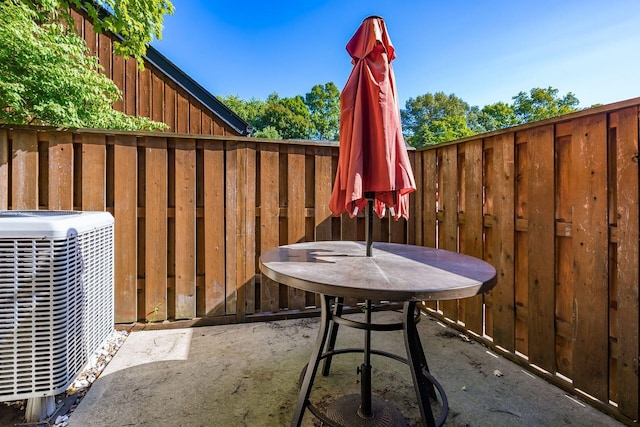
pixel 553 205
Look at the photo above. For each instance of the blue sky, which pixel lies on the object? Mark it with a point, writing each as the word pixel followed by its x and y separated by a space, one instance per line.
pixel 481 51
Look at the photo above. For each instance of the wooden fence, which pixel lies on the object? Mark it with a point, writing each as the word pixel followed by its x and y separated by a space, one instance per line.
pixel 552 205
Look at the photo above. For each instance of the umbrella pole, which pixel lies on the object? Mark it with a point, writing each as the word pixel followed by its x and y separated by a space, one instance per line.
pixel 366 411
pixel 368 223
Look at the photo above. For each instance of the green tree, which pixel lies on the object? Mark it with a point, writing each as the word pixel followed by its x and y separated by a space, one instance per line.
pixel 268 133
pixel 288 116
pixel 323 103
pixel 434 118
pixel 497 116
pixel 250 111
pixel 48 78
pixel 137 21
pixel 541 104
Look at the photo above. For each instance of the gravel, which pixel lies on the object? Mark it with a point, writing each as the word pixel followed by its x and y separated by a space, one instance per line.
pixel 12 413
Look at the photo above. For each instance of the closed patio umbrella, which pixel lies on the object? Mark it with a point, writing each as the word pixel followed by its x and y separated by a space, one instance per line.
pixel 373 162
pixel 373 172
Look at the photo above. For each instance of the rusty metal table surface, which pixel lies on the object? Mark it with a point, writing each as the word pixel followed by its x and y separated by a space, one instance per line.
pixel 397 272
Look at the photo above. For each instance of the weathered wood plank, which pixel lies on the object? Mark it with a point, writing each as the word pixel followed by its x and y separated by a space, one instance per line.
pixel 170 106
pixel 24 170
pixel 322 194
pixel 185 229
pixel 214 227
pixel 503 312
pixel 246 182
pixel 416 201
pixel 296 211
pixel 269 220
pixel 430 198
pixel 541 253
pixel 448 228
pixel 628 253
pixel 125 212
pixel 590 246
pixel 144 93
pixel 195 119
pixel 94 172
pixel 231 229
pixel 60 171
pixel 471 233
pixel 118 77
pixel 105 54
pixel 130 94
pixel 182 114
pixel 156 190
pixel 564 298
pixel 157 98
pixel 4 169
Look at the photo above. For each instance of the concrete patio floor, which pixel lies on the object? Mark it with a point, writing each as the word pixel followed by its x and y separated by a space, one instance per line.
pixel 246 375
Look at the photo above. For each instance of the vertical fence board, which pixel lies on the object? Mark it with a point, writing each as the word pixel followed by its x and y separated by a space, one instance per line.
pixel 323 187
pixel 125 212
pixel 541 255
pixel 214 228
pixel 448 229
pixel 269 219
pixel 246 229
pixel 4 169
pixel 60 171
pixel 503 294
pixel 94 172
pixel 430 198
pixel 564 293
pixel 231 221
pixel 156 191
pixel 590 238
pixel 296 211
pixel 416 203
pixel 628 255
pixel 472 232
pixel 185 229
pixel 24 170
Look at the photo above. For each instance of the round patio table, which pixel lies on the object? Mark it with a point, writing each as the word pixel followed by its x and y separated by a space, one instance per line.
pixel 394 272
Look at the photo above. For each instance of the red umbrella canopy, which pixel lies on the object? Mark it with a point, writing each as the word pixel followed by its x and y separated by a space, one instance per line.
pixel 373 155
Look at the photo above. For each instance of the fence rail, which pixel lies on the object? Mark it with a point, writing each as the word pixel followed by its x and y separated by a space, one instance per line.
pixel 552 205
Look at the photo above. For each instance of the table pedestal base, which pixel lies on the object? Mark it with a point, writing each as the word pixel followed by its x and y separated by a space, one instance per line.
pixel 366 410
pixel 344 412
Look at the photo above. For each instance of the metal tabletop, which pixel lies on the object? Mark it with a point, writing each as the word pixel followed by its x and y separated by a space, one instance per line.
pixel 396 272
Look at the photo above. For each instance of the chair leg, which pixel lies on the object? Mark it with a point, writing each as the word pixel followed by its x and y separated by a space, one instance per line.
pixel 314 361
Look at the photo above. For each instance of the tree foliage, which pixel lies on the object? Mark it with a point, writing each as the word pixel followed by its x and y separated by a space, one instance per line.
pixel 540 104
pixel 48 78
pixel 316 116
pixel 435 118
pixel 324 109
pixel 138 22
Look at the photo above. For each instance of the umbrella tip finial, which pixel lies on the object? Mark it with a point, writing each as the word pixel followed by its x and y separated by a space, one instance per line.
pixel 373 17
